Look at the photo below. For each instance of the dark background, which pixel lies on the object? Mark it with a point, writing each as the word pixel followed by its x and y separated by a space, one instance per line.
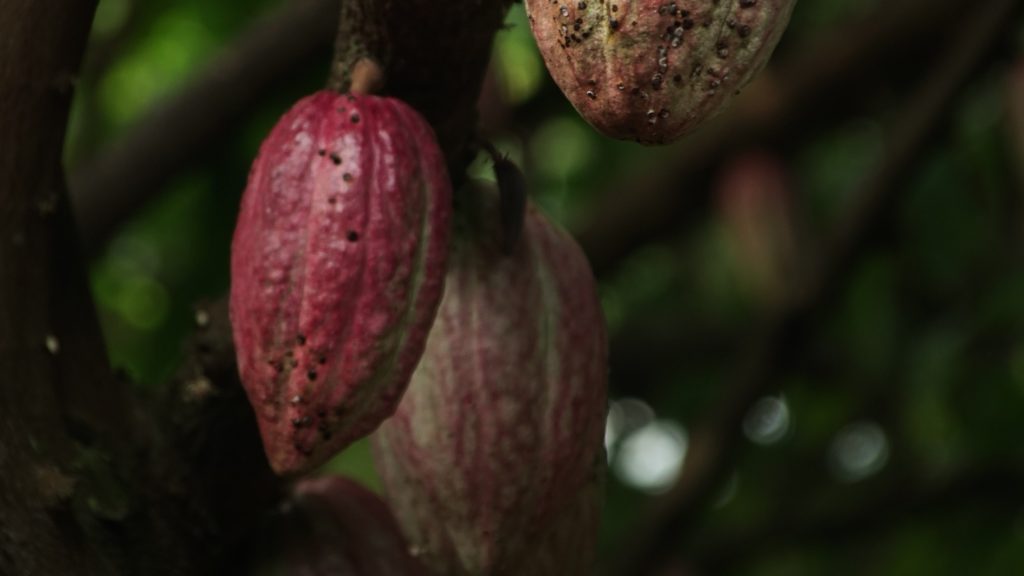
pixel 815 302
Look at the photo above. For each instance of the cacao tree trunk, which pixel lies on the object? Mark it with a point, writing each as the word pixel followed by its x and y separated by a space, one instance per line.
pixel 57 398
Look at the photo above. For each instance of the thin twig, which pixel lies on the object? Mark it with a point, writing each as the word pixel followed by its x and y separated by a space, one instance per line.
pixel 714 441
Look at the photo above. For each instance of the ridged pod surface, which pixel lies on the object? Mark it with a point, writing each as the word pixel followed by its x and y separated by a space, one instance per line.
pixel 500 428
pixel 652 70
pixel 570 546
pixel 337 269
pixel 332 526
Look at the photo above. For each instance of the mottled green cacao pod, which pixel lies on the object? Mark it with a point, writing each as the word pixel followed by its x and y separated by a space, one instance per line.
pixel 651 70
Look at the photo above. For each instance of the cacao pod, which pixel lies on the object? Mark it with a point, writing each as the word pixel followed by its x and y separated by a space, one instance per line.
pixel 337 269
pixel 570 547
pixel 651 70
pixel 332 526
pixel 503 421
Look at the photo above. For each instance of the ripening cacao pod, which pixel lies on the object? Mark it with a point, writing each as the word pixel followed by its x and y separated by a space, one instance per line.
pixel 337 269
pixel 652 70
pixel 500 428
pixel 332 526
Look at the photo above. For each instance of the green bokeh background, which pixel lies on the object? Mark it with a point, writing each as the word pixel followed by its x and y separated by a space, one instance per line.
pixel 915 371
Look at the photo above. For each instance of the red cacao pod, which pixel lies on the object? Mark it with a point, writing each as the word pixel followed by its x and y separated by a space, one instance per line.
pixel 501 426
pixel 332 526
pixel 651 70
pixel 337 269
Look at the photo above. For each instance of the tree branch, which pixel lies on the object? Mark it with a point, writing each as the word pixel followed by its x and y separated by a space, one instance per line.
pixel 714 442
pixel 119 180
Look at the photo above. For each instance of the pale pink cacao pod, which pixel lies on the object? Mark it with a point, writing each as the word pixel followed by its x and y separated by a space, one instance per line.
pixel 652 70
pixel 337 269
pixel 500 428
pixel 332 526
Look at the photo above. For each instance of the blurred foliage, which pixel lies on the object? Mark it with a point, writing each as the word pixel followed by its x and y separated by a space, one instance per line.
pixel 916 368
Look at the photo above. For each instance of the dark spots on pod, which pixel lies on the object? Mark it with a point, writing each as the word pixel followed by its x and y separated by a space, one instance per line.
pixel 347 177
pixel 301 422
pixel 354 118
pixel 321 152
pixel 289 361
pixel 353 236
pixel 321 360
pixel 301 339
pixel 311 375
pixel 332 200
pixel 336 158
